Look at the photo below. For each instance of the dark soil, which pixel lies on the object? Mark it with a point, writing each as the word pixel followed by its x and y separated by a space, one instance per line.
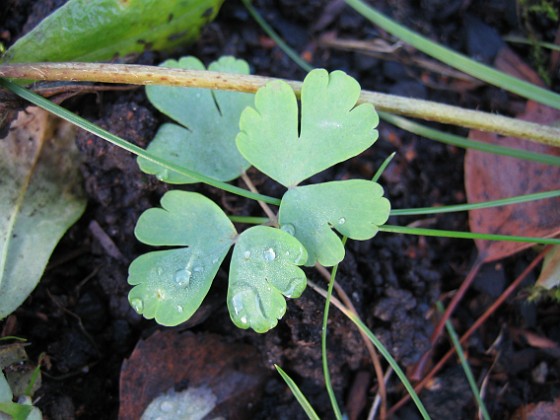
pixel 79 314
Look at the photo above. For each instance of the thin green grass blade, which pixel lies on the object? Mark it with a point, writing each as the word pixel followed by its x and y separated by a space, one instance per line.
pixel 456 60
pixel 466 235
pixel 272 34
pixel 392 362
pixel 519 40
pixel 464 364
pixel 298 394
pixel 383 166
pixel 250 220
pixel 466 143
pixel 324 354
pixel 475 206
pixel 138 151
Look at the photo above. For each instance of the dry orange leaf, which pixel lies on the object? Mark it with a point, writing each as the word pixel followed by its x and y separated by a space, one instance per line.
pixel 492 177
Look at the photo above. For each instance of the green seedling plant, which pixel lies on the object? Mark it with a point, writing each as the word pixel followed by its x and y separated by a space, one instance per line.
pixel 170 284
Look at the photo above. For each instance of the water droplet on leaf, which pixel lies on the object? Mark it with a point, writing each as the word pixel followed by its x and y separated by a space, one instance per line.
pixel 269 254
pixel 137 305
pixel 167 406
pixel 341 221
pixel 215 260
pixel 179 309
pixel 292 286
pixel 198 269
pixel 289 229
pixel 163 175
pixel 243 319
pixel 247 255
pixel 183 277
pixel 159 271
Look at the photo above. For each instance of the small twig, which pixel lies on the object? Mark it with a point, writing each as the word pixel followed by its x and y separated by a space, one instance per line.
pixel 153 75
pixel 419 368
pixel 371 350
pixel 491 310
pixel 266 208
pixel 379 399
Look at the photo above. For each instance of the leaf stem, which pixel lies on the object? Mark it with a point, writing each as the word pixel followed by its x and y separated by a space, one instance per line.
pixel 152 75
pixel 250 220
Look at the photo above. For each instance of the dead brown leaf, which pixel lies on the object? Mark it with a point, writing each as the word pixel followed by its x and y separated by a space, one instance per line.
pixel 492 177
pixel 177 360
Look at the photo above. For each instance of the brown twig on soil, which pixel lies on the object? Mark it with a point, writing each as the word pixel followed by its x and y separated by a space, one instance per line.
pixel 371 350
pixel 266 208
pixel 419 386
pixel 151 75
pixel 418 371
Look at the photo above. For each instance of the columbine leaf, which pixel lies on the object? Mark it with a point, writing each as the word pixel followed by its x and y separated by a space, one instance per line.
pixel 355 208
pixel 333 128
pixel 171 284
pixel 205 139
pixel 263 268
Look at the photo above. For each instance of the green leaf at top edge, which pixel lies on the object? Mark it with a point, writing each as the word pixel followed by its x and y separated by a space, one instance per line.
pixel 170 285
pixel 203 140
pixel 264 266
pixel 103 30
pixel 355 208
pixel 333 129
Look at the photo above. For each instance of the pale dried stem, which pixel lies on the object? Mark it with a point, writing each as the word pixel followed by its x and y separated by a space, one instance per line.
pixel 151 75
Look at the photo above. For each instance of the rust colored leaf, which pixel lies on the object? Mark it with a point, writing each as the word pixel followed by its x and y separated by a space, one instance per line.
pixel 540 411
pixel 174 360
pixel 492 177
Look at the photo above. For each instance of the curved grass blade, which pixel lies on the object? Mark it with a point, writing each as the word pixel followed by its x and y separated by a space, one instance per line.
pixel 138 151
pixel 463 142
pixel 466 235
pixel 475 206
pixel 298 394
pixel 456 60
pixel 465 365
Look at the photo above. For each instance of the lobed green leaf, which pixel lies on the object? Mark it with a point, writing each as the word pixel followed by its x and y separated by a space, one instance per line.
pixel 264 266
pixel 169 285
pixel 204 138
pixel 355 208
pixel 333 129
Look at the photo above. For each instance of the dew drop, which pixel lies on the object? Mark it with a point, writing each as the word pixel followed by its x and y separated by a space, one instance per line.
pixel 269 254
pixel 198 269
pixel 167 406
pixel 292 286
pixel 247 255
pixel 341 221
pixel 179 309
pixel 183 277
pixel 289 229
pixel 215 260
pixel 137 305
pixel 163 175
pixel 159 271
pixel 243 319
